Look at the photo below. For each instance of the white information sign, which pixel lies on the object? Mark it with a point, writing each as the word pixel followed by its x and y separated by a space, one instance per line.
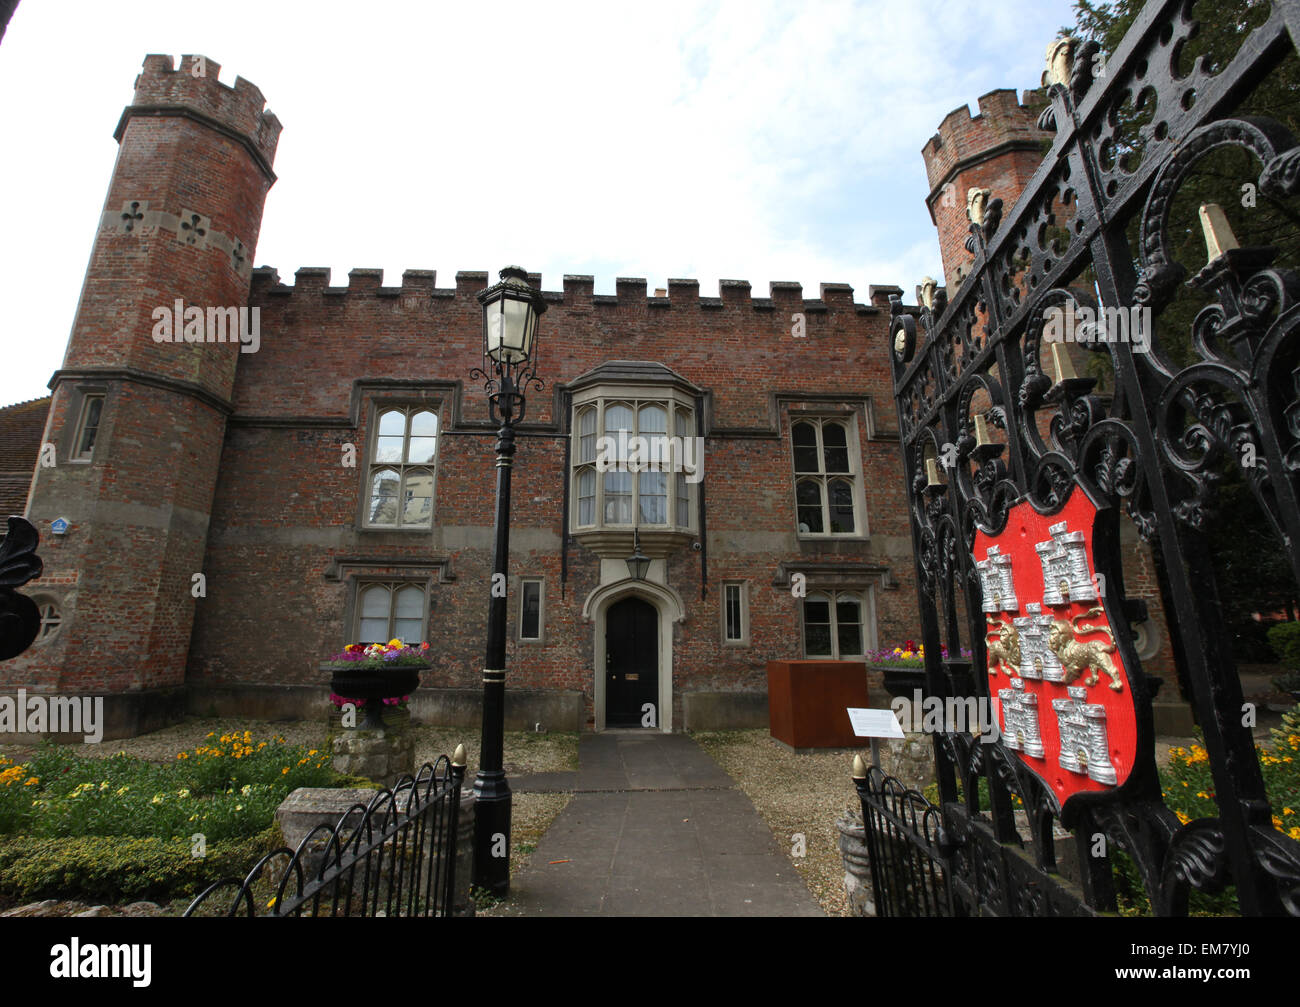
pixel 874 723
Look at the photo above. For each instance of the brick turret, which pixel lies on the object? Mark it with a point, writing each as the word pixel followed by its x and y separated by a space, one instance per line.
pixel 999 150
pixel 156 341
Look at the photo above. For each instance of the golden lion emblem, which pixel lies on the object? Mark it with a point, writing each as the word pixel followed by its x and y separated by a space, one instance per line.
pixel 1003 650
pixel 1078 656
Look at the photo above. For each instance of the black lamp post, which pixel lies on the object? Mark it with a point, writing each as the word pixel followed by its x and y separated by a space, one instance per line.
pixel 511 309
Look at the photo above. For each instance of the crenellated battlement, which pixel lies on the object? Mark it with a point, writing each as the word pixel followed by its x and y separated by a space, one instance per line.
pixel 1003 120
pixel 578 291
pixel 161 89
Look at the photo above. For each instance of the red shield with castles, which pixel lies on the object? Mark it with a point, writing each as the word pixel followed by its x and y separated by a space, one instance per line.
pixel 1058 682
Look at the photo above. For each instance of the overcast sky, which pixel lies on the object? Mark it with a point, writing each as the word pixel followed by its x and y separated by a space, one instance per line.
pixel 746 140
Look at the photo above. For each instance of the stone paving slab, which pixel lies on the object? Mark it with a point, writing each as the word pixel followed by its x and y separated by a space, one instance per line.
pixel 655 828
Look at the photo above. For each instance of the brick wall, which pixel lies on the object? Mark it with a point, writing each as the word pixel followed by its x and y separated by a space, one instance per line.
pixel 286 508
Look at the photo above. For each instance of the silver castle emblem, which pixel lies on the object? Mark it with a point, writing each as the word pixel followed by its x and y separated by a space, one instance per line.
pixel 1020 717
pixel 1082 727
pixel 1037 659
pixel 1066 576
pixel 995 581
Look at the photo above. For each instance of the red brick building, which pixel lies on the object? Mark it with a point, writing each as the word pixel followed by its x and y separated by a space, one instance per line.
pixel 237 511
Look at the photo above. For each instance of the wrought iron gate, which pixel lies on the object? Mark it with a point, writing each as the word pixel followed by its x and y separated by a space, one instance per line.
pixel 993 423
pixel 395 856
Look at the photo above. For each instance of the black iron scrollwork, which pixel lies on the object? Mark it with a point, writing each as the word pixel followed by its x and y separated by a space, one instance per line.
pixel 20 620
pixel 1152 436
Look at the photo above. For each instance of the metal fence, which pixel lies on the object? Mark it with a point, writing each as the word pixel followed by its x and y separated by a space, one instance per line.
pixel 395 856
pixel 903 833
pixel 1153 432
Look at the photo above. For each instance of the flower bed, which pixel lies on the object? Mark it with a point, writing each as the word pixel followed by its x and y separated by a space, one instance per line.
pixel 123 827
pixel 228 787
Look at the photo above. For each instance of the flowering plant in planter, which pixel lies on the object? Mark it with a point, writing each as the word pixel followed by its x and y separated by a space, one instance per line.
pixel 910 655
pixel 374 676
pixel 397 702
pixel 394 653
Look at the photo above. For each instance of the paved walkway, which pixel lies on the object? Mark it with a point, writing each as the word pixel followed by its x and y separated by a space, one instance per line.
pixel 655 828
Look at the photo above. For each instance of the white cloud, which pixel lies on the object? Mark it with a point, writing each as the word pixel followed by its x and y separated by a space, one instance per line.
pixel 757 141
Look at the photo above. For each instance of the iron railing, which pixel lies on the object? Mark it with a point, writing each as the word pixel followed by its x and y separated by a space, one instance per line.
pixel 903 832
pixel 1093 228
pixel 395 856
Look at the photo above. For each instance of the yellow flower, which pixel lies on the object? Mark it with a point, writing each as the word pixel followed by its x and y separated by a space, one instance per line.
pixel 284 771
pixel 312 752
pixel 1287 811
pixel 32 782
pixel 395 643
pixel 1182 817
pixel 1277 822
pixel 1295 832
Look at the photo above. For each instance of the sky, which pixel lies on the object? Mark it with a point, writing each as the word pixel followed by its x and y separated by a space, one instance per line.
pixel 748 140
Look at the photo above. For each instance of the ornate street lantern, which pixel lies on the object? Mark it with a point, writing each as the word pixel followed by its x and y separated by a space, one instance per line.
pixel 510 312
pixel 511 309
pixel 638 564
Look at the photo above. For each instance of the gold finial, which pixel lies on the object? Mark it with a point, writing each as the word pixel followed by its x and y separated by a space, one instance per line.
pixel 1060 61
pixel 928 287
pixel 1218 232
pixel 976 200
pixel 458 756
pixel 981 431
pixel 1062 363
pixel 859 768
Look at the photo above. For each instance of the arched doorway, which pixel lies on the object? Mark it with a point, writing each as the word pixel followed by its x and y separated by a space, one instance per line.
pixel 632 664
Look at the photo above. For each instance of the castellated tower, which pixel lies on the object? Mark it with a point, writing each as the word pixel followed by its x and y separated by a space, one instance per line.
pixel 998 150
pixel 137 422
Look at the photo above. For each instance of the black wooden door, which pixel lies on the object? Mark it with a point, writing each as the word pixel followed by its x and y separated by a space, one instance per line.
pixel 631 663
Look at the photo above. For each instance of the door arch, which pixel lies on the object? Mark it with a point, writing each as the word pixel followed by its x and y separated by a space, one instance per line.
pixel 668 607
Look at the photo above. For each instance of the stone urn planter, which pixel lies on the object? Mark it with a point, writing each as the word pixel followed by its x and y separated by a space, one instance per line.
pixel 374 685
pixel 900 680
pixel 378 748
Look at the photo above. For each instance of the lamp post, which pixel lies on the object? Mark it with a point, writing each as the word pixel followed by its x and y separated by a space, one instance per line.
pixel 511 309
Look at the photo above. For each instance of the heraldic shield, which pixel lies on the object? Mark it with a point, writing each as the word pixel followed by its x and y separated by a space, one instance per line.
pixel 1057 679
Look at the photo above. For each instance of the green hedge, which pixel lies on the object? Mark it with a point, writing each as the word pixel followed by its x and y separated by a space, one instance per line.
pixel 122 868
pixel 1284 638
